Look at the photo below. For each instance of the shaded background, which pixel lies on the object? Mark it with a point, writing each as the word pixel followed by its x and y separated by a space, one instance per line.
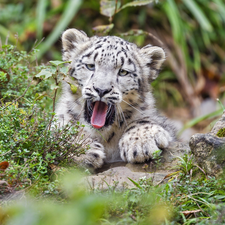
pixel 192 33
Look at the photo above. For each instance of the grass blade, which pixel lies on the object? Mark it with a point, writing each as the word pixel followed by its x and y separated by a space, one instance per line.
pixel 198 14
pixel 135 183
pixel 199 119
pixel 221 104
pixel 41 12
pixel 173 14
pixel 221 7
pixel 70 11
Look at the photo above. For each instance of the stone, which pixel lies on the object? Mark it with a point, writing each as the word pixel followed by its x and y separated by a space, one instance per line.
pixel 115 175
pixel 220 124
pixel 170 155
pixel 209 149
pixel 117 178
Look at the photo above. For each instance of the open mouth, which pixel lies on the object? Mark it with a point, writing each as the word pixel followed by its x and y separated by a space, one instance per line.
pixel 99 114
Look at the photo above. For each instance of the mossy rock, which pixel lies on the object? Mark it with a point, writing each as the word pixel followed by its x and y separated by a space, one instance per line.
pixel 221 132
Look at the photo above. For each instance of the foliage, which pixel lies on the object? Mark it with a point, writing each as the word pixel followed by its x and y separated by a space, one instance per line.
pixel 192 34
pixel 77 208
pixel 17 15
pixel 110 8
pixel 26 140
pixel 196 199
pixel 181 201
pixel 17 74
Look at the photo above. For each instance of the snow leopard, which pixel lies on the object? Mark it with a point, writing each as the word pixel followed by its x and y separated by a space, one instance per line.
pixel 114 98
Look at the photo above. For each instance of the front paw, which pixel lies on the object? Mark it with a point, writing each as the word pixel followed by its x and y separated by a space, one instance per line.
pixel 93 159
pixel 139 143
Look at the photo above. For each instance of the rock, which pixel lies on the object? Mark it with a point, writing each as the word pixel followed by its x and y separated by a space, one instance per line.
pixel 117 177
pixel 209 149
pixel 116 174
pixel 220 124
pixel 170 155
pixel 11 196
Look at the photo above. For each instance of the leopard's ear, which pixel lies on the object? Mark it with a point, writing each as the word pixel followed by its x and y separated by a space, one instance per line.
pixel 71 39
pixel 155 58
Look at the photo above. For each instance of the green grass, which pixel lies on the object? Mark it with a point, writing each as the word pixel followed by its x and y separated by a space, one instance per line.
pixel 185 200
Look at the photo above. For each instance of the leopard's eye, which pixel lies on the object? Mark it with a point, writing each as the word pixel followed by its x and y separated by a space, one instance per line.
pixel 123 72
pixel 90 66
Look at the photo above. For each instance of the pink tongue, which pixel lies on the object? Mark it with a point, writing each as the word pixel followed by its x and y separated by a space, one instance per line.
pixel 99 115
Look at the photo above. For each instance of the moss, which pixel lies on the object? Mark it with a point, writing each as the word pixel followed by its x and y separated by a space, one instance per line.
pixel 221 132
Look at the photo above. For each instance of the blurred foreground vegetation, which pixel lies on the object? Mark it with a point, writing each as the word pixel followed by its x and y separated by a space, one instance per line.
pixel 185 199
pixel 33 157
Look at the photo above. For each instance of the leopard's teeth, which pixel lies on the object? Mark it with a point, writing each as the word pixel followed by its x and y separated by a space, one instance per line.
pixel 109 108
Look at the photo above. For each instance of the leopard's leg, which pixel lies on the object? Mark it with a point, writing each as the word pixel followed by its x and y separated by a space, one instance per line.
pixel 139 142
pixel 93 158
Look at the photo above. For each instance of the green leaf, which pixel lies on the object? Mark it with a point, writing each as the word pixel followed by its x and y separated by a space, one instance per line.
pixel 198 14
pixel 135 183
pixel 45 73
pixel 133 33
pixel 103 28
pixel 64 70
pixel 39 97
pixel 16 123
pixel 136 3
pixel 108 7
pixel 57 63
pixel 52 69
pixel 54 87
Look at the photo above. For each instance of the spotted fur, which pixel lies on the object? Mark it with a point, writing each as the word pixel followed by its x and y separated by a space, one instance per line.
pixel 120 78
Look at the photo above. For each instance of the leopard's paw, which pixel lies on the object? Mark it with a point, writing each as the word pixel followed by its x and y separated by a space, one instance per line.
pixel 139 143
pixel 93 158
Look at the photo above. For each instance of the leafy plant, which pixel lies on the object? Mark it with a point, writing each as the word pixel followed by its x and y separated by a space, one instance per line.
pixel 30 138
pixel 110 8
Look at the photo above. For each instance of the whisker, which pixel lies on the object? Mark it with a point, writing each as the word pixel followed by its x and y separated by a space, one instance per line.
pixel 78 99
pixel 79 114
pixel 119 110
pixel 122 114
pixel 133 107
pixel 118 117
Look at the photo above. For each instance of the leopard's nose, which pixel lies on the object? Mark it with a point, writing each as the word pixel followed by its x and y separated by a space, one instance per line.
pixel 102 92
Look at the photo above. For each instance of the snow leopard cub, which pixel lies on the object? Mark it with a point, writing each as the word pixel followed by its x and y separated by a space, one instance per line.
pixel 114 98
